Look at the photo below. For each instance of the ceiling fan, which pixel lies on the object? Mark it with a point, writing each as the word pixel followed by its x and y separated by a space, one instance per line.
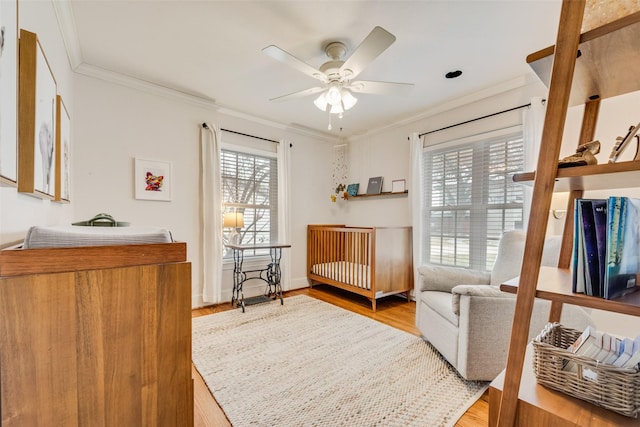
pixel 337 74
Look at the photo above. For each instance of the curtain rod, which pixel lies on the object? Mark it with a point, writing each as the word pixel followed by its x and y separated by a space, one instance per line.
pixel 476 119
pixel 204 125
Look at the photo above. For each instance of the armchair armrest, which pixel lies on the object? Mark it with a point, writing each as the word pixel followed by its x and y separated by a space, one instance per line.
pixel 443 278
pixel 481 291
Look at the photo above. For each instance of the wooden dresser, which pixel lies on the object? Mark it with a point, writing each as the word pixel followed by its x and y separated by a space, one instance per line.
pixel 96 336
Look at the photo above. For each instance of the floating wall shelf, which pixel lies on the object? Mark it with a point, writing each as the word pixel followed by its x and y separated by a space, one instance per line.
pixel 383 194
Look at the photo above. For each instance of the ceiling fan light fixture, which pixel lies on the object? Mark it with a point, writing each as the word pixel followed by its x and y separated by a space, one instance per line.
pixel 333 94
pixel 348 100
pixel 336 109
pixel 321 102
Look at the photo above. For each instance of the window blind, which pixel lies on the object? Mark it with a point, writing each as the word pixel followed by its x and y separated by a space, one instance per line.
pixel 250 187
pixel 471 199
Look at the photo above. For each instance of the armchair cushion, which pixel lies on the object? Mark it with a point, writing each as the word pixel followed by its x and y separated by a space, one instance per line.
pixel 511 251
pixel 444 278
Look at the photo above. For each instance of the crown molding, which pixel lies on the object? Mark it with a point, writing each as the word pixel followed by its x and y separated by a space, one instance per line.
pixel 152 88
pixel 489 92
pixel 170 93
pixel 67 26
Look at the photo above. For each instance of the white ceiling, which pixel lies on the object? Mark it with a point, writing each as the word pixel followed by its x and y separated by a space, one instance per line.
pixel 213 49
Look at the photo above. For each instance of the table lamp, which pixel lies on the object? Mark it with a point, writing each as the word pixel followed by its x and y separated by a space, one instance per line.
pixel 235 221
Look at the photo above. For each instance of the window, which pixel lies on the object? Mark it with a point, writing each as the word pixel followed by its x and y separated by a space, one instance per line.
pixel 471 199
pixel 250 187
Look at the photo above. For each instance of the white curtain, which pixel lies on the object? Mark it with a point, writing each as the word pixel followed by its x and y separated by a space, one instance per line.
pixel 284 223
pixel 210 215
pixel 416 199
pixel 532 123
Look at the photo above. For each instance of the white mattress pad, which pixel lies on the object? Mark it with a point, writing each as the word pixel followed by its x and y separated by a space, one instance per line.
pixel 58 236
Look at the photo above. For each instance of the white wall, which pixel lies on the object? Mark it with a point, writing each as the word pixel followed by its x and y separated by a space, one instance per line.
pixel 115 124
pixel 18 211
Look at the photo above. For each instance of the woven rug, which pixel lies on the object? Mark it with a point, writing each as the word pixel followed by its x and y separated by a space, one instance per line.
pixel 309 363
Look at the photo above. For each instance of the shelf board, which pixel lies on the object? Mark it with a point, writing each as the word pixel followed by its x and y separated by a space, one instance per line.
pixel 618 175
pixel 383 194
pixel 545 406
pixel 555 284
pixel 606 66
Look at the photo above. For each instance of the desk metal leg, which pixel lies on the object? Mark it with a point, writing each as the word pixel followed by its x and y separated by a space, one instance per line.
pixel 239 277
pixel 274 274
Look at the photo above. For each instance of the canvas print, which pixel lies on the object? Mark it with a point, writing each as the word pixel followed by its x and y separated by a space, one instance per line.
pixel 152 180
pixel 8 89
pixel 44 154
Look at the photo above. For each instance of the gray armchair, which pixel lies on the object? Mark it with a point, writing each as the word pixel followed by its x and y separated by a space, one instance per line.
pixel 466 317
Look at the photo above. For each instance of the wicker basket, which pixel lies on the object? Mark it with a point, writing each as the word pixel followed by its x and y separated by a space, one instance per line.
pixel 616 389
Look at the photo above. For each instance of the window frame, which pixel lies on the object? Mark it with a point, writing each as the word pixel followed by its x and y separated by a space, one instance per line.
pixel 480 240
pixel 228 206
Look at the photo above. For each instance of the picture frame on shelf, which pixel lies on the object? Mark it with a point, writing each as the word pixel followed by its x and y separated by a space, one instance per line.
pixel 622 143
pixel 37 112
pixel 63 152
pixel 398 185
pixel 352 189
pixel 9 91
pixel 375 185
pixel 152 180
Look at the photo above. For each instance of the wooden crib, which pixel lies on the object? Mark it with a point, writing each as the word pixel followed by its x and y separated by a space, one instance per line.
pixel 369 261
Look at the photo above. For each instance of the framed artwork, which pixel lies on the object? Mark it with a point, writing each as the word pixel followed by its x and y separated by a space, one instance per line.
pixel 152 180
pixel 352 189
pixel 375 185
pixel 37 112
pixel 398 186
pixel 8 91
pixel 63 152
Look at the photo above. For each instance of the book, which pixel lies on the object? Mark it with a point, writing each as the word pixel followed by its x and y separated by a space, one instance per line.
pixel 352 189
pixel 578 285
pixel 588 344
pixel 600 220
pixel 626 347
pixel 623 247
pixel 615 351
pixel 590 254
pixel 634 360
pixel 375 185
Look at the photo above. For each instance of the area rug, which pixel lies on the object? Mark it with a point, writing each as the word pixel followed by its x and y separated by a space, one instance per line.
pixel 309 363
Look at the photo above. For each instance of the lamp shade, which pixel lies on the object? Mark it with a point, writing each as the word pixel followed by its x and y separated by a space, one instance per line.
pixel 336 109
pixel 348 100
pixel 321 102
pixel 233 220
pixel 333 94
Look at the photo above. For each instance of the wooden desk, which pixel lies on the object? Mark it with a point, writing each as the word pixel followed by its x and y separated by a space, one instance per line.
pixel 96 336
pixel 271 275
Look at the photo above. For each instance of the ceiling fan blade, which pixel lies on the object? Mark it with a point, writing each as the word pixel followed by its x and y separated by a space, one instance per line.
pixel 380 88
pixel 373 45
pixel 299 94
pixel 283 56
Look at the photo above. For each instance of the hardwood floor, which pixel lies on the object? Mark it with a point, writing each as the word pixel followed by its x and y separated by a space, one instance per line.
pixel 392 311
